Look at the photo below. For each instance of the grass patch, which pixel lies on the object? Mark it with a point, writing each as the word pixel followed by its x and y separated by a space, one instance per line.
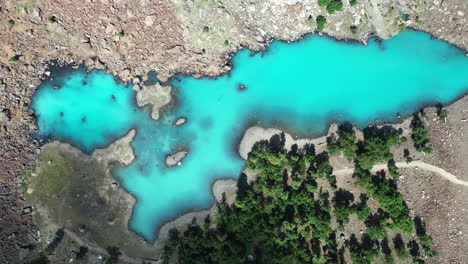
pixel 51 176
pixel 24 6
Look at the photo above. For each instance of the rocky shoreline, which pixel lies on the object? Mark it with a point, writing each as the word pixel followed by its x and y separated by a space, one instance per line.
pixel 130 39
pixel 121 152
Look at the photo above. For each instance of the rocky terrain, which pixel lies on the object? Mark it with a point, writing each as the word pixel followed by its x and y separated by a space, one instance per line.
pixel 131 38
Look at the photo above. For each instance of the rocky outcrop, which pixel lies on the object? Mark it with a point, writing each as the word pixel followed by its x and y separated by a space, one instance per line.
pixel 180 121
pixel 175 159
pixel 120 151
pixel 156 95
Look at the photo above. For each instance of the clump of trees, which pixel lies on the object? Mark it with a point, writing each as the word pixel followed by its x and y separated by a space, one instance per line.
pixel 331 5
pixel 376 146
pixel 321 22
pixel 285 215
pixel 420 135
pixel 386 193
pixel 345 143
pixel 393 169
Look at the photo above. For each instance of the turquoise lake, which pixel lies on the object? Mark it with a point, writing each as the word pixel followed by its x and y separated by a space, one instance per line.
pixel 300 86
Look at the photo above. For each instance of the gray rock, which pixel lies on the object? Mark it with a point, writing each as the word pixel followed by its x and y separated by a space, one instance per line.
pixel 175 159
pixel 180 121
pixel 4 117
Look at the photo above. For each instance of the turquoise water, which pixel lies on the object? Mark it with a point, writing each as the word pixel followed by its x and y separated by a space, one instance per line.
pixel 88 109
pixel 300 86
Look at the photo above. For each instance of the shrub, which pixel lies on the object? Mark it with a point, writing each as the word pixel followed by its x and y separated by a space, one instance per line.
pixel 206 29
pixel 353 2
pixel 363 212
pixel 321 21
pixel 50 249
pixel 15 58
pixel 81 252
pixel 114 254
pixel 335 5
pixel 353 29
pixel 121 34
pixel 426 243
pixel 345 143
pixel 331 5
pixel 393 169
pixel 442 114
pixel 52 19
pixel 324 2
pixel 226 42
pixel 11 22
pixel 420 135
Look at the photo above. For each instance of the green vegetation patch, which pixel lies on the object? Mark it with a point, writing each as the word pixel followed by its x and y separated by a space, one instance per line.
pixel 52 174
pixel 52 19
pixel 15 58
pixel 321 21
pixel 376 146
pixel 420 135
pixel 346 143
pixel 294 212
pixel 331 5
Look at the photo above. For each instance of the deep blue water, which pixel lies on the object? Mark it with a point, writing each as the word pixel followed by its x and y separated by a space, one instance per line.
pixel 301 86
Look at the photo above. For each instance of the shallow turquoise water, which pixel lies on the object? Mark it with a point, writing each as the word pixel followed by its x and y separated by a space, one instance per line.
pixel 300 86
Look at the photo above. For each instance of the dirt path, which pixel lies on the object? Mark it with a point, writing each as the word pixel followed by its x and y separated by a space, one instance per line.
pixel 415 164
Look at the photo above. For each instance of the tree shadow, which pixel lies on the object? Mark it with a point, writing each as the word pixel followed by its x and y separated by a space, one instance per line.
pixel 343 197
pixel 309 149
pixel 345 127
pixel 414 248
pixel 294 151
pixel 398 242
pixel 420 226
pixel 243 187
pixel 274 145
pixel 385 247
